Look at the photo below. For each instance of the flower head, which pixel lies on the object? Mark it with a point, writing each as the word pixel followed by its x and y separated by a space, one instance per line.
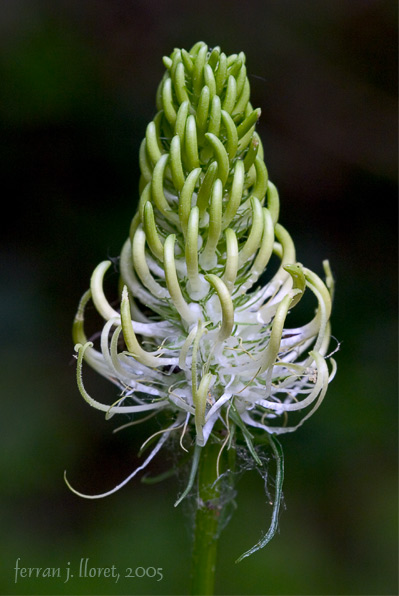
pixel 199 332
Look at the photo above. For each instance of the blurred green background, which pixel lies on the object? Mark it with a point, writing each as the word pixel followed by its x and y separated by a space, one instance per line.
pixel 78 81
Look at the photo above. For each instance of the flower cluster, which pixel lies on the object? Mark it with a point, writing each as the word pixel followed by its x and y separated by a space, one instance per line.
pixel 199 333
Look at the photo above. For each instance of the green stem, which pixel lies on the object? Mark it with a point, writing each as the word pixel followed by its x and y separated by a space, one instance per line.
pixel 206 524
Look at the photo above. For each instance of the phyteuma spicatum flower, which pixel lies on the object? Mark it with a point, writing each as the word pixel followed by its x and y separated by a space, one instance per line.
pixel 199 334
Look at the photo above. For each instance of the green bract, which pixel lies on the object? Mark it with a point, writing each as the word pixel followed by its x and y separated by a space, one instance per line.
pixel 201 337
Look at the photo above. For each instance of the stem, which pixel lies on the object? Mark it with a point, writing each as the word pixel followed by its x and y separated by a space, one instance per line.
pixel 206 523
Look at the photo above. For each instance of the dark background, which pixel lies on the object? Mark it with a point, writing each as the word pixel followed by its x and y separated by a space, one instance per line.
pixel 78 81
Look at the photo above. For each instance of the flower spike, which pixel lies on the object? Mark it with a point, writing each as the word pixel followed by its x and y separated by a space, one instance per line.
pixel 202 331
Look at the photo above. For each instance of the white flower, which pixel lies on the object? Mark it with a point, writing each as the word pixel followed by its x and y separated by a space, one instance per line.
pixel 199 333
